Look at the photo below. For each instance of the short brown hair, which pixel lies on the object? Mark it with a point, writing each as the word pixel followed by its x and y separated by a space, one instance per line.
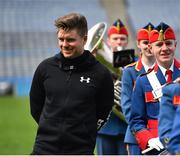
pixel 73 21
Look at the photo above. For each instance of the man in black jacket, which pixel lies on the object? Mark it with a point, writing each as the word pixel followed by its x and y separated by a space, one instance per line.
pixel 71 93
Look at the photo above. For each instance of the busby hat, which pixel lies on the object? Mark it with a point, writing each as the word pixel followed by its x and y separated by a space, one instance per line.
pixel 117 28
pixel 143 33
pixel 162 32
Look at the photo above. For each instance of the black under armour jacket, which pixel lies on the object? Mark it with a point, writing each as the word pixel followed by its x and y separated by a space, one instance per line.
pixel 67 98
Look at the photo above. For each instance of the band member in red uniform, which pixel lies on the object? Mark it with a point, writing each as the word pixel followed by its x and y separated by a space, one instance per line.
pixel 110 139
pixel 145 108
pixel 129 76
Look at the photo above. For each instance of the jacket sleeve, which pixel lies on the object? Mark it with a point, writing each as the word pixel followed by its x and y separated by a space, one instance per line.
pixel 166 115
pixel 174 143
pixel 138 118
pixel 37 95
pixel 126 93
pixel 104 99
pixel 166 119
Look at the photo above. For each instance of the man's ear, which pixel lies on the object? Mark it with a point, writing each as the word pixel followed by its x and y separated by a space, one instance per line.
pixel 108 42
pixel 85 39
pixel 175 43
pixel 138 44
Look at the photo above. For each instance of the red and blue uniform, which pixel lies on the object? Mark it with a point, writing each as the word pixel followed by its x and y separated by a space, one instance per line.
pixel 145 109
pixel 110 138
pixel 169 104
pixel 174 143
pixel 130 73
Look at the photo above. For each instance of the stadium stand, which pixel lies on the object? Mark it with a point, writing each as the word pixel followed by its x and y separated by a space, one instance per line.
pixel 28 35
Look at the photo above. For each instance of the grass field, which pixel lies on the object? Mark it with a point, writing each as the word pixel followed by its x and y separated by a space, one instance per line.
pixel 17 128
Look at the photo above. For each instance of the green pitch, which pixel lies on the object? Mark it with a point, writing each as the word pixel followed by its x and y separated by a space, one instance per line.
pixel 17 128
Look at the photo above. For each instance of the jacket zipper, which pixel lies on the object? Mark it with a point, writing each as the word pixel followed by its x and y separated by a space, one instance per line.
pixel 67 93
pixel 69 75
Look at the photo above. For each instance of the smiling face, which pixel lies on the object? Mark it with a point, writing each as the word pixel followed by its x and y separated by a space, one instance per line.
pixel 143 45
pixel 164 52
pixel 71 43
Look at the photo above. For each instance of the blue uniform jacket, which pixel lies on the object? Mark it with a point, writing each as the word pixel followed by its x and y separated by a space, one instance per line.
pixel 129 76
pixel 167 111
pixel 145 109
pixel 174 143
pixel 114 126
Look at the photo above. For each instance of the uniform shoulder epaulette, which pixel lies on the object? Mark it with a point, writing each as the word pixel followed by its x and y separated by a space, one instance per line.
pixel 149 71
pixel 131 65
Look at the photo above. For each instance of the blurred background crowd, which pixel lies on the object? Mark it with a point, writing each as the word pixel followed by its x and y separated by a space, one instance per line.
pixel 27 29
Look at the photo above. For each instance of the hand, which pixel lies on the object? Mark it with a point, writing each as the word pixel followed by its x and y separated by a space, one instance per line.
pixel 155 143
pixel 178 79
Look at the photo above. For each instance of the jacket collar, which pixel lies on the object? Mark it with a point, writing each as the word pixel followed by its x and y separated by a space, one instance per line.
pixel 176 64
pixel 84 61
pixel 139 65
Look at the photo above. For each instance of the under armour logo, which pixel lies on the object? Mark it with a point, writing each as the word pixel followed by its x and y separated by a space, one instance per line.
pixel 99 123
pixel 83 79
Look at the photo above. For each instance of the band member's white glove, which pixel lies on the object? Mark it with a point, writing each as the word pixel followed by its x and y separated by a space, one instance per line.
pixel 155 143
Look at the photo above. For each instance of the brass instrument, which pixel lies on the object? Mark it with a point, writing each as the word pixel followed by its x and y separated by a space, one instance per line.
pixel 95 36
pixel 96 44
pixel 117 99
